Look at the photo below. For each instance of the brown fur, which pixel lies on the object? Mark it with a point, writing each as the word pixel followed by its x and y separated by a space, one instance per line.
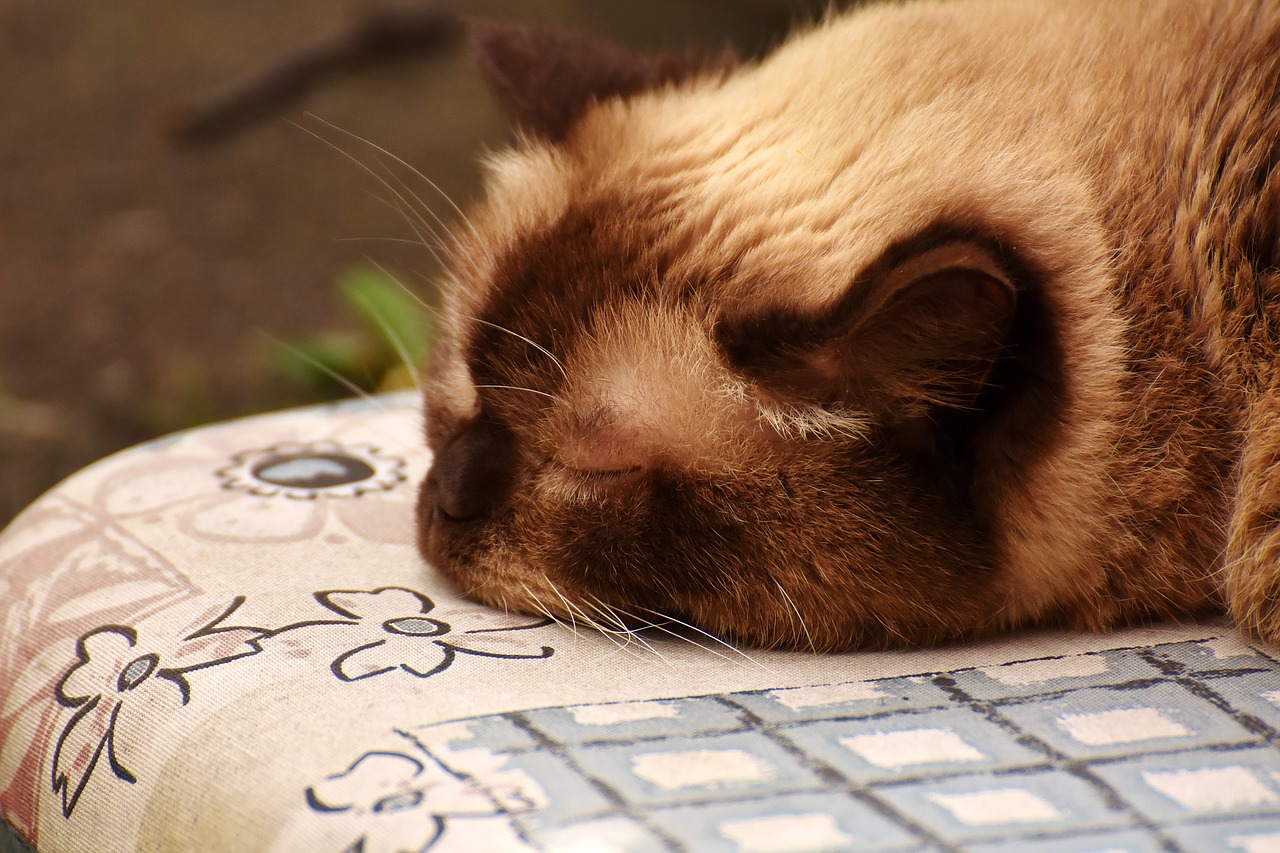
pixel 944 319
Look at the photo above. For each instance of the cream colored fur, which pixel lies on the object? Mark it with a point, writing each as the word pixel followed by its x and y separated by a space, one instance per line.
pixel 1033 120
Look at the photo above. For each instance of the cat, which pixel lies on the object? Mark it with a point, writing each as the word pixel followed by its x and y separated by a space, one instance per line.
pixel 946 318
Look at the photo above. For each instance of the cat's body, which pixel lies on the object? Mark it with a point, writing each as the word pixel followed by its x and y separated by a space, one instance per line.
pixel 945 318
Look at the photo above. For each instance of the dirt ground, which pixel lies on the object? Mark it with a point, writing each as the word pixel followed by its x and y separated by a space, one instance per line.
pixel 143 286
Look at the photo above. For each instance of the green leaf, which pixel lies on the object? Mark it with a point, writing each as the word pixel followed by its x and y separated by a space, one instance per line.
pixel 389 311
pixel 317 361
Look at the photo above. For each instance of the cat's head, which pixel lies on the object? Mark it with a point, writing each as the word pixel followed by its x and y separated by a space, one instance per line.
pixel 773 350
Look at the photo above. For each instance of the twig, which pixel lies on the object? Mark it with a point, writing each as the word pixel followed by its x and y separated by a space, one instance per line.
pixel 380 37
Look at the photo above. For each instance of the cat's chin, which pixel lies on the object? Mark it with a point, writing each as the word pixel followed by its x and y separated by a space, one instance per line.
pixel 516 588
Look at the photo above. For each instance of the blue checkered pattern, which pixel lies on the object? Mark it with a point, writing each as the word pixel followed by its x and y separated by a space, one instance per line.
pixel 1166 748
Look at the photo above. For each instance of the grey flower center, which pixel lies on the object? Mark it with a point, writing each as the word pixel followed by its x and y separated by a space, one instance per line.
pixel 137 671
pixel 416 626
pixel 311 470
pixel 398 802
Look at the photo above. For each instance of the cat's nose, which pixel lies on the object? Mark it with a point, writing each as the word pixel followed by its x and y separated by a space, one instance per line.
pixel 473 473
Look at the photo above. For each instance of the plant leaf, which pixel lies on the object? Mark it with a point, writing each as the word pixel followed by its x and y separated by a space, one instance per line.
pixel 389 310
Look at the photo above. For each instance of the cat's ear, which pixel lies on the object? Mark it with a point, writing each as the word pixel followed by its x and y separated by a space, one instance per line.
pixel 922 334
pixel 546 78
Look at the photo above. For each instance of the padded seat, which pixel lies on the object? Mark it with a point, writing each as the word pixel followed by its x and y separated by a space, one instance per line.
pixel 225 640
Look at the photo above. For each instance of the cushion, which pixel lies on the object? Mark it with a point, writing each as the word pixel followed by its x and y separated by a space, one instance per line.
pixel 226 640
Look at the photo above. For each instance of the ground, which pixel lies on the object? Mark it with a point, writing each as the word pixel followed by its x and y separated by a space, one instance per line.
pixel 143 286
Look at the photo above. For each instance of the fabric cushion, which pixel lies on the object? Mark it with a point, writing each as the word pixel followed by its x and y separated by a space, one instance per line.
pixel 226 640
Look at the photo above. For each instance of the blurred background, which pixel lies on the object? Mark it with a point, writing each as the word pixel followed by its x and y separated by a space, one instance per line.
pixel 157 272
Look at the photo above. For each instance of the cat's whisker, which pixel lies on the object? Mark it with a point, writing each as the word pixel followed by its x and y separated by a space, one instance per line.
pixel 403 241
pixel 416 222
pixel 605 622
pixel 534 603
pixel 373 173
pixel 623 643
pixel 409 291
pixel 374 401
pixel 402 351
pixel 436 312
pixel 421 206
pixel 539 605
pixel 432 241
pixel 796 610
pixel 406 209
pixel 440 315
pixel 616 630
pixel 406 165
pixel 539 347
pixel 615 620
pixel 355 389
pixel 686 639
pixel 518 388
pixel 607 612
pixel 616 615
pixel 899 637
pixel 434 245
pixel 412 211
pixel 813 422
pixel 732 648
pixel 571 609
pixel 415 371
pixel 414 219
pixel 572 619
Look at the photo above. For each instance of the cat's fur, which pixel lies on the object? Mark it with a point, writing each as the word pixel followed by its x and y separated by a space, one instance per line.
pixel 946 318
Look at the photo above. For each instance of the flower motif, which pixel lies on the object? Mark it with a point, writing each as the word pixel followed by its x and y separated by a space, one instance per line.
pixel 393 800
pixel 312 470
pixel 401 636
pixel 304 484
pixel 307 473
pixel 61 564
pixel 115 671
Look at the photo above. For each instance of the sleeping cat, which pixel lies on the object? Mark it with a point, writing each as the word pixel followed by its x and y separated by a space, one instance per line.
pixel 944 319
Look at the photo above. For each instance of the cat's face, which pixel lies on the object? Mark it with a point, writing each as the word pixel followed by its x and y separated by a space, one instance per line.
pixel 690 369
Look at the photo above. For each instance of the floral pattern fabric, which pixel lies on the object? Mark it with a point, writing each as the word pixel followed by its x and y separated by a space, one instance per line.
pixel 227 635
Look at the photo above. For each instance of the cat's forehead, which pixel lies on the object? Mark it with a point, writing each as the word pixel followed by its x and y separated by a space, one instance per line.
pixel 763 187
